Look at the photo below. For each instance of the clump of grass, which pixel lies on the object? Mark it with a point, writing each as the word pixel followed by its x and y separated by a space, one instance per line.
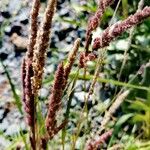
pixel 33 69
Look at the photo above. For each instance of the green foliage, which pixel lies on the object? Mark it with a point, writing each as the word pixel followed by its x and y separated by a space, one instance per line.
pixel 135 110
pixel 142 115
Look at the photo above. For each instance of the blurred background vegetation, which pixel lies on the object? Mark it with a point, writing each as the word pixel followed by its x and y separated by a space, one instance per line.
pixel 131 122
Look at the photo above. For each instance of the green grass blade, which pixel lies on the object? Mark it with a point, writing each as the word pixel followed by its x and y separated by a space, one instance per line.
pixel 70 95
pixel 24 140
pixel 114 82
pixel 13 88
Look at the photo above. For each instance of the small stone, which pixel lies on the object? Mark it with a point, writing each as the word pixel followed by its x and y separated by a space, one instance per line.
pixel 4 143
pixel 1 19
pixel 73 103
pixel 4 125
pixel 6 14
pixel 25 21
pixel 64 13
pixel 3 56
pixel 62 34
pixel 1 113
pixel 44 93
pixel 81 99
pixel 14 29
pixel 12 129
pixel 69 39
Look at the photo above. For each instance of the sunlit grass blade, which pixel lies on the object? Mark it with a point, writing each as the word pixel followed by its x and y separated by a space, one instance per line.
pixel 40 120
pixel 114 82
pixel 102 80
pixel 118 125
pixel 124 8
pixel 24 138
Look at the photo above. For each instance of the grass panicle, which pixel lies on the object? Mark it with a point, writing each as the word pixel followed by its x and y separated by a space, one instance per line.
pixel 71 59
pixel 93 144
pixel 27 74
pixel 55 101
pixel 118 28
pixel 33 28
pixel 42 43
pixel 85 57
pixel 95 20
pixel 115 105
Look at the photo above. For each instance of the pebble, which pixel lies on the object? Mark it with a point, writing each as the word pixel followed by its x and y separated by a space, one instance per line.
pixel 64 13
pixel 4 125
pixel 19 127
pixel 4 143
pixel 13 123
pixel 44 93
pixel 3 56
pixel 1 20
pixel 13 29
pixel 17 4
pixel 62 34
pixel 80 96
pixel 6 14
pixel 74 102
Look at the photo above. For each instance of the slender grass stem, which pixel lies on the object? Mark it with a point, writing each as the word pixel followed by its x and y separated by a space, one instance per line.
pixel 13 88
pixel 114 82
pixel 70 95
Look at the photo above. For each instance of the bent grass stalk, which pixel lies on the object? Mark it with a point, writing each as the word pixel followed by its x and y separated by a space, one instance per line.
pixel 83 117
pixel 101 58
pixel 69 97
pixel 118 101
pixel 115 105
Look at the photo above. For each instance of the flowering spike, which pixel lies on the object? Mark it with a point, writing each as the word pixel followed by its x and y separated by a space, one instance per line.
pixel 95 20
pixel 42 43
pixel 27 73
pixel 33 28
pixel 29 103
pixel 55 101
pixel 71 59
pixel 94 143
pixel 115 30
